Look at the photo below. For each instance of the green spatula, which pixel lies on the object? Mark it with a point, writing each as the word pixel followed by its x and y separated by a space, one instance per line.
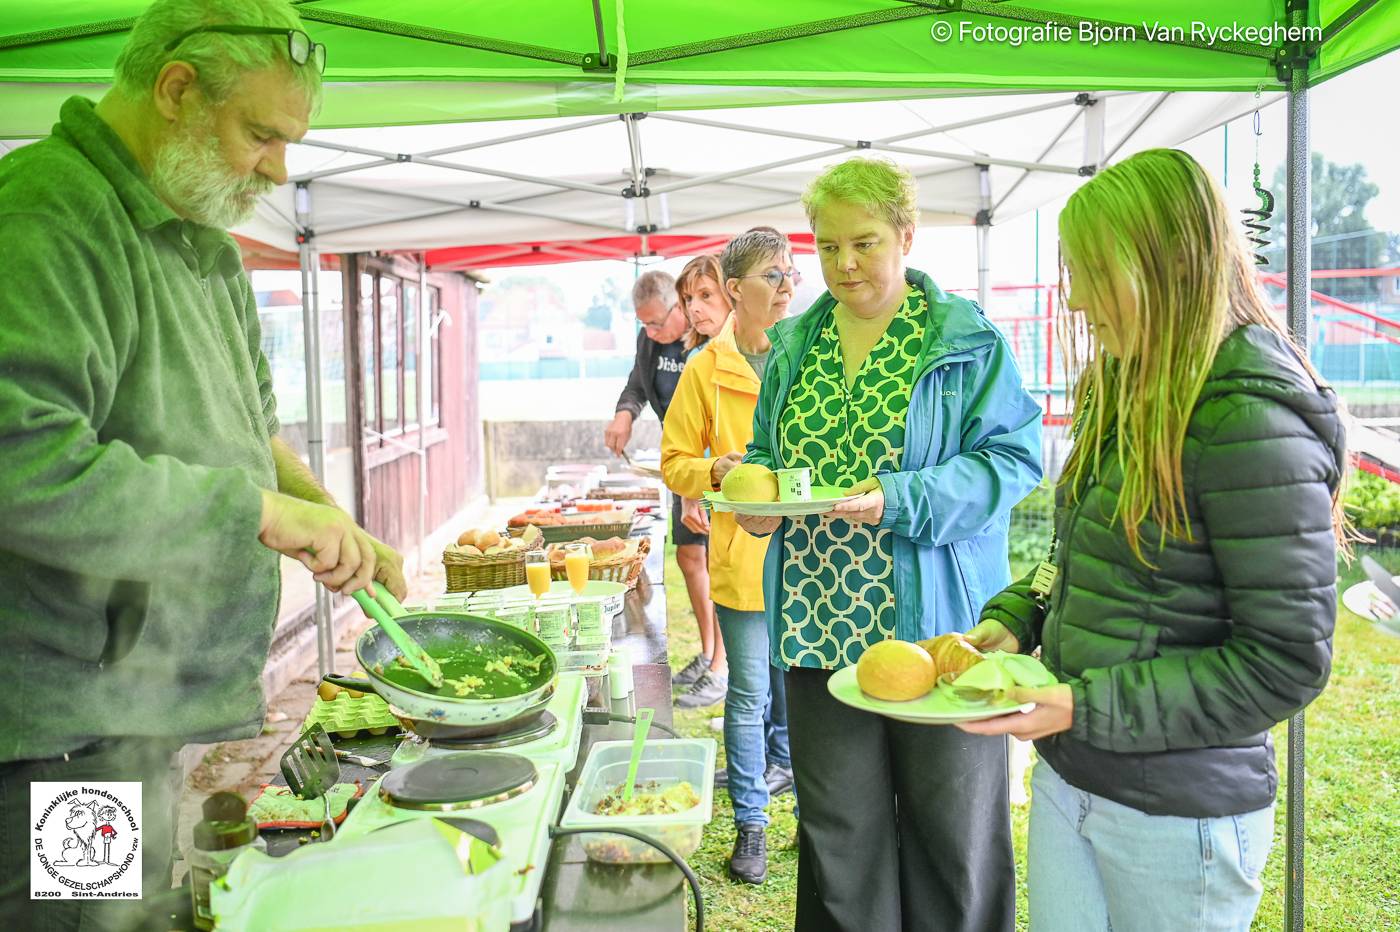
pixel 639 740
pixel 384 612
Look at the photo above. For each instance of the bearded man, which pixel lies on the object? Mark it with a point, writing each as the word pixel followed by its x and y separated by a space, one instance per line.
pixel 145 494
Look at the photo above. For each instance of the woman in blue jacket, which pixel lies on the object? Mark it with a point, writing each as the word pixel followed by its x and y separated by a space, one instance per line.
pixel 891 385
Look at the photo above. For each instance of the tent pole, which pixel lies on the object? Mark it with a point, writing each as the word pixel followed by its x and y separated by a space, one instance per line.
pixel 422 349
pixel 984 236
pixel 1299 272
pixel 310 261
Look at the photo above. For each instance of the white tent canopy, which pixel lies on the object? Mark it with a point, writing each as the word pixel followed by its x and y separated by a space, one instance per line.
pixel 710 172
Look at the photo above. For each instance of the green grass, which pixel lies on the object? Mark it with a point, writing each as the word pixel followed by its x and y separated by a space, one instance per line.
pixel 1353 805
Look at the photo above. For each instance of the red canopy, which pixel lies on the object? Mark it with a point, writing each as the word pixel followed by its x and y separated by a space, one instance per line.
pixel 463 258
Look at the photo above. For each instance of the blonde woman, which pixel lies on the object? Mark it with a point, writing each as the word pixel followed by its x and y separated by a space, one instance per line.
pixel 709 426
pixel 707 309
pixel 890 384
pixel 1196 588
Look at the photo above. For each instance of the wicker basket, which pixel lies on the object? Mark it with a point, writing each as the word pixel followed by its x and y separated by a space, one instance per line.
pixel 563 533
pixel 617 568
pixel 626 495
pixel 467 572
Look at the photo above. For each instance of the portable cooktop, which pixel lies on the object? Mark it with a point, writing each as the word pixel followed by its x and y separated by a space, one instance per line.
pixel 555 735
pixel 454 782
pixel 516 796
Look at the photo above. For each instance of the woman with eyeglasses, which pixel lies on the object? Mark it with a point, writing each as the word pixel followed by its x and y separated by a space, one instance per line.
pixel 892 387
pixel 707 429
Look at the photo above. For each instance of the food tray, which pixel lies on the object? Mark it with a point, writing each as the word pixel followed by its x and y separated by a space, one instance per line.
pixel 347 717
pixel 666 761
pixel 563 533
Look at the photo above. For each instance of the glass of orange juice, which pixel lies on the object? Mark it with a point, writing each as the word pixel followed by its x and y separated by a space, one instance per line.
pixel 577 557
pixel 537 572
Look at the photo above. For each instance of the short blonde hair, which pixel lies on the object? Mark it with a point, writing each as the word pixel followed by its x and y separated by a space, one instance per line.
pixel 879 185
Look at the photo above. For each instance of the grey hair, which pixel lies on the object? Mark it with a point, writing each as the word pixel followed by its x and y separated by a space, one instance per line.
pixel 749 248
pixel 220 59
pixel 652 285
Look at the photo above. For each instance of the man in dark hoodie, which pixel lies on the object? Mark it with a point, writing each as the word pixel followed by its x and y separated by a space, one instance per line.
pixel 1189 600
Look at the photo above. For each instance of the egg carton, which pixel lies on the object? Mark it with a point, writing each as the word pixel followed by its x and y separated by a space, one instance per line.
pixel 347 717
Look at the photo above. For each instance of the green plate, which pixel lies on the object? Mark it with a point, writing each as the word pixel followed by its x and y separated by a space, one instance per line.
pixel 824 498
pixel 936 708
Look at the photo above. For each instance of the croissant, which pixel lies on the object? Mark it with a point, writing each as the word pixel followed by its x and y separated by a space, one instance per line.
pixel 952 654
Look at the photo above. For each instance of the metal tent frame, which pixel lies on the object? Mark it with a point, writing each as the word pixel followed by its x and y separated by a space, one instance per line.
pixel 1290 63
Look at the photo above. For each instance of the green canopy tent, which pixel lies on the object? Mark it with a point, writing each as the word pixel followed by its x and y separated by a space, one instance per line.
pixel 434 61
pixel 406 61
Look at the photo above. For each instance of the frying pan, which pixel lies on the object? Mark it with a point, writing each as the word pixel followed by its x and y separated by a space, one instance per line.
pixel 438 713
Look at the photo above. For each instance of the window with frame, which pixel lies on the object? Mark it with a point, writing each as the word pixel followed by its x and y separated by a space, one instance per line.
pixel 393 327
pixel 432 362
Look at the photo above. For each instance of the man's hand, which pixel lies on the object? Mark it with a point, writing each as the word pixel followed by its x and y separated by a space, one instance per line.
pixel 869 508
pixel 324 539
pixel 759 525
pixel 388 566
pixel 694 516
pixel 1053 713
pixel 989 635
pixel 618 432
pixel 720 467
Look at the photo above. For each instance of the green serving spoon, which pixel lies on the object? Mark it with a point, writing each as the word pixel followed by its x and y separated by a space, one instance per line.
pixel 639 740
pixel 384 612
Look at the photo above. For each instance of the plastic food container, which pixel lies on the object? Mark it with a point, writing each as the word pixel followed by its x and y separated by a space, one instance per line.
pixel 666 762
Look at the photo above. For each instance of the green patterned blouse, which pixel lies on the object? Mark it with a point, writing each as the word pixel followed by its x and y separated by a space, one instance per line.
pixel 838 586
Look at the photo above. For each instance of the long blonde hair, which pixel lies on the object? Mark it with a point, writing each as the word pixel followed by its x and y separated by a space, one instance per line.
pixel 1160 222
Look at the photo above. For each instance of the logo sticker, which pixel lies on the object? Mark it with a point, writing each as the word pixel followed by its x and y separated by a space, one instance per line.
pixel 85 841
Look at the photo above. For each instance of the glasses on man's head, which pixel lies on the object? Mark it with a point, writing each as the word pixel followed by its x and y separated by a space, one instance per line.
pixel 774 277
pixel 300 48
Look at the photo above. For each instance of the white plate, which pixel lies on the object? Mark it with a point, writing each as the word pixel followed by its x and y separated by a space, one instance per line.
pixel 937 708
pixel 824 498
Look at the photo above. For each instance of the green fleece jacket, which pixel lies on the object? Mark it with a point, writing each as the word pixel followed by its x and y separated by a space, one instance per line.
pixel 136 415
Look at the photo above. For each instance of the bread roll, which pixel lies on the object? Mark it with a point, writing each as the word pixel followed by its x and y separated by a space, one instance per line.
pixel 487 539
pixel 952 654
pixel 468 538
pixel 605 549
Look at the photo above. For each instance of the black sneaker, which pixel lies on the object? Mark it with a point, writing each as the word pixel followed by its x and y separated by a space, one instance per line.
pixel 749 862
pixel 691 671
pixel 722 778
pixel 779 780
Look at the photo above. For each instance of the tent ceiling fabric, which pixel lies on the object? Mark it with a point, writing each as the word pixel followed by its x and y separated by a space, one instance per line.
pixel 405 62
pixel 410 205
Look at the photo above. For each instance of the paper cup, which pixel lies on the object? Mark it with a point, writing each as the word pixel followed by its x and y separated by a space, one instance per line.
pixel 795 485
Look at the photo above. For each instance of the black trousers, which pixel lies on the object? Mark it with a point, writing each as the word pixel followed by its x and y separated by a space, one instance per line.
pixel 149 761
pixel 904 828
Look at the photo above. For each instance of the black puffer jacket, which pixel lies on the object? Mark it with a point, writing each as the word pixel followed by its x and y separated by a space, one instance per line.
pixel 1178 672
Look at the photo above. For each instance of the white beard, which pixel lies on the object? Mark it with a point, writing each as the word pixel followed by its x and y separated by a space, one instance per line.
pixel 192 176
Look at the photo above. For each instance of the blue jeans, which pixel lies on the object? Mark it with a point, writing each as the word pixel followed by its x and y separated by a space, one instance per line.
pixel 755 713
pixel 1097 864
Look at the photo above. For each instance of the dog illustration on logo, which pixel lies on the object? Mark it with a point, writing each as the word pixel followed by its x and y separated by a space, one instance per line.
pixel 82 821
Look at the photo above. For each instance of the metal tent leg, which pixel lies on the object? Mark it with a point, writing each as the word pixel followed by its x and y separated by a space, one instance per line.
pixel 1299 272
pixel 310 261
